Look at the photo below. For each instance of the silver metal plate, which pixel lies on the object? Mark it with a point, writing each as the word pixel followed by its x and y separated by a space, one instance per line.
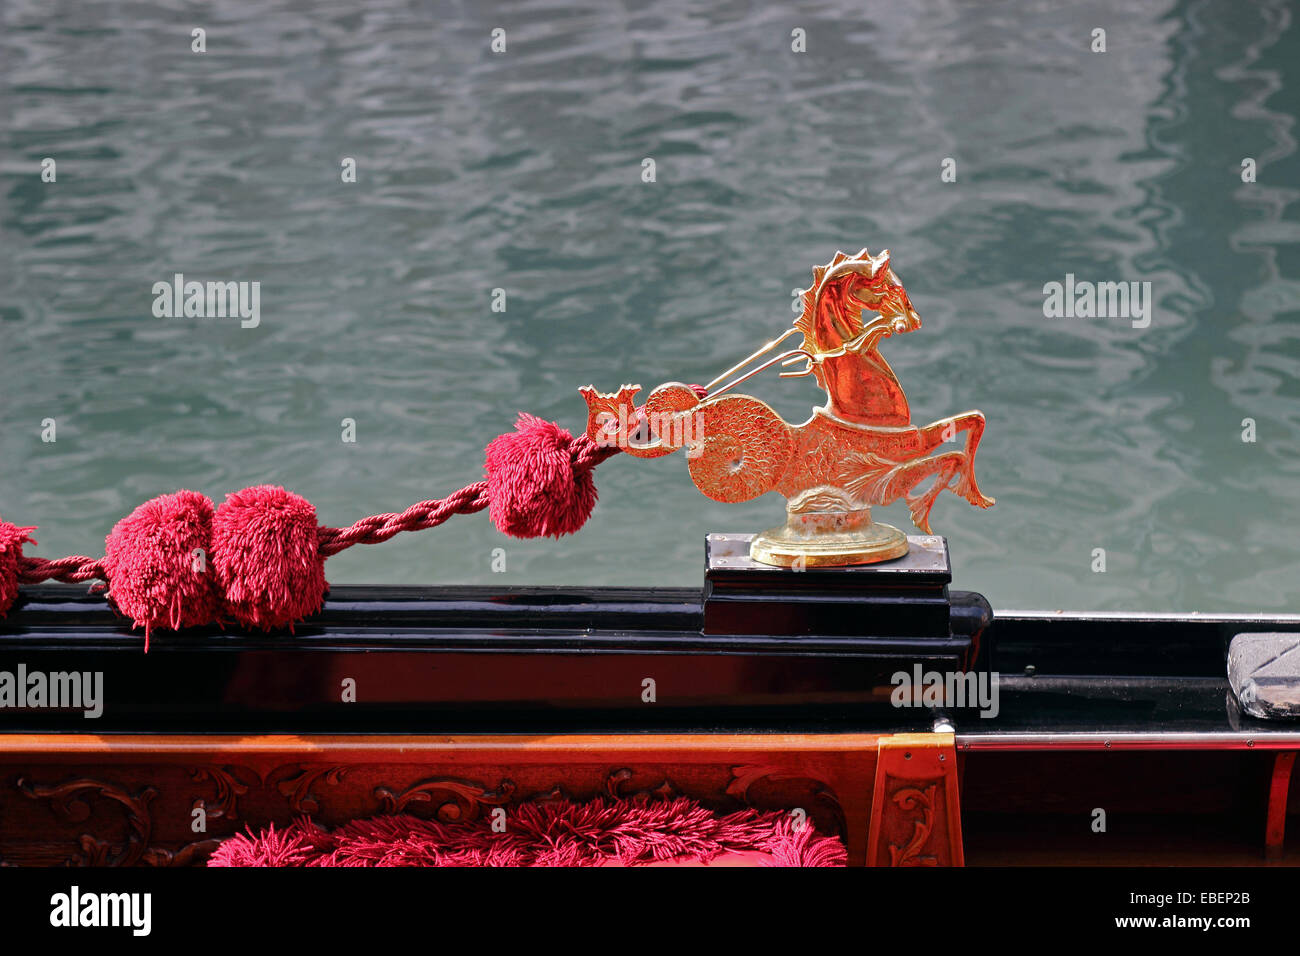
pixel 926 552
pixel 1264 671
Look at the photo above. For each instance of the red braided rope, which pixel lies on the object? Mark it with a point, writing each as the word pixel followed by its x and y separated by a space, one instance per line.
pixel 426 514
pixel 375 529
pixel 585 453
pixel 70 570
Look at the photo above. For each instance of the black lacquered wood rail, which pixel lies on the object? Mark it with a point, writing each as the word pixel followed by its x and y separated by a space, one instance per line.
pixel 473 658
pixel 542 660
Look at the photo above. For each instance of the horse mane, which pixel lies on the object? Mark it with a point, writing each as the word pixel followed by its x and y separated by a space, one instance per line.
pixel 815 294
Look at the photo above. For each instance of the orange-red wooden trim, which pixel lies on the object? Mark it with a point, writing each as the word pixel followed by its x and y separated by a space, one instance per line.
pixel 916 805
pixel 255 780
pixel 422 746
pixel 1279 788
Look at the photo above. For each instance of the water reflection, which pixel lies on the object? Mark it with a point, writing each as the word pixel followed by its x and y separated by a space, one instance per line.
pixel 522 172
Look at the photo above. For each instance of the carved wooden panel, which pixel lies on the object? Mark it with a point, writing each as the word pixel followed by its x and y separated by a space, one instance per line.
pixel 169 800
pixel 915 815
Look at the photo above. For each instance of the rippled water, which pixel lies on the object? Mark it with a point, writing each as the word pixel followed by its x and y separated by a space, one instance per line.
pixel 523 171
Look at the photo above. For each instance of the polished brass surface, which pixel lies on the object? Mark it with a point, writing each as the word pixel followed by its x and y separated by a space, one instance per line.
pixel 828 539
pixel 859 449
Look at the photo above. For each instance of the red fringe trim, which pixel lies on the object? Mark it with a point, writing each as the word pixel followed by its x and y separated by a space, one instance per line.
pixel 629 832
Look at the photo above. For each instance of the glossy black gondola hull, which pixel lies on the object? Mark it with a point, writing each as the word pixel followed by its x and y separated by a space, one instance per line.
pixel 1132 713
pixel 473 659
pixel 550 660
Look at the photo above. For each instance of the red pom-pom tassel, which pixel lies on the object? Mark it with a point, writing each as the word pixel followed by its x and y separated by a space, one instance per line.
pixel 532 484
pixel 156 561
pixel 266 556
pixel 12 539
pixel 260 557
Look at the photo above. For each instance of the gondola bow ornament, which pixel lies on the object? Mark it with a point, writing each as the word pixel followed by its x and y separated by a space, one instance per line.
pixel 857 450
pixel 257 560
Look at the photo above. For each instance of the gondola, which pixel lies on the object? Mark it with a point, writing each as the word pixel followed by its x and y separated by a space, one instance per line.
pixel 825 669
pixel 1117 738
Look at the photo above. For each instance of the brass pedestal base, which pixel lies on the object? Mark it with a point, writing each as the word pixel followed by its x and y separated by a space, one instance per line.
pixel 828 539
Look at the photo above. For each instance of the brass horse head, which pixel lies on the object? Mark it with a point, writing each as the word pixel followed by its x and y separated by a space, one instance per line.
pixel 842 291
pixel 842 340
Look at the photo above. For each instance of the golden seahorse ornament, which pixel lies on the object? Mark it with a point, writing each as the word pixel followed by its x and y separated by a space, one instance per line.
pixel 859 449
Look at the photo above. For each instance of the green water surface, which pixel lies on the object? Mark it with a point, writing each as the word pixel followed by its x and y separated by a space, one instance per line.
pixel 523 171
